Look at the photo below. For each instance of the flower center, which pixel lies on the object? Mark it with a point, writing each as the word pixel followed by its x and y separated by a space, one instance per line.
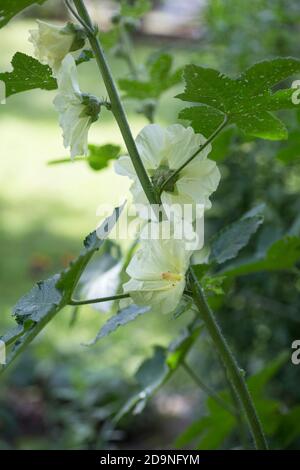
pixel 171 276
pixel 162 174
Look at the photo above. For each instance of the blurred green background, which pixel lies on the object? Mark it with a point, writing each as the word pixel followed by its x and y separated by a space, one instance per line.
pixel 61 394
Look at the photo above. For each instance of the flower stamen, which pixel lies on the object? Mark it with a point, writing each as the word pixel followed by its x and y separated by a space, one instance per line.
pixel 168 276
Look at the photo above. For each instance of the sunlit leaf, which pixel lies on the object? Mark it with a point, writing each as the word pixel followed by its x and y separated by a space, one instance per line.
pixel 10 8
pixel 247 101
pixel 28 74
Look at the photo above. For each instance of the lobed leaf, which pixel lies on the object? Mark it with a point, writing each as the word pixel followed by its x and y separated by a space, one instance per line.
pixel 28 73
pixel 247 101
pixel 10 8
pixel 37 308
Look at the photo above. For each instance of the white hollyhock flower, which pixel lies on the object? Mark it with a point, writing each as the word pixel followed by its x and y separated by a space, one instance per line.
pixel 52 43
pixel 163 150
pixel 157 272
pixel 77 111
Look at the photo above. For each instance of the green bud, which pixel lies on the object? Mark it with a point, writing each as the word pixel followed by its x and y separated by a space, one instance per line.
pixel 78 33
pixel 161 174
pixel 92 106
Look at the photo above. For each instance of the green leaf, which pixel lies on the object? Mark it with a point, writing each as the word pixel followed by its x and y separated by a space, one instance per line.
pixel 246 100
pixel 258 381
pixel 210 431
pixel 185 304
pixel 43 298
pixel 281 255
pixel 204 119
pixel 222 145
pixel 179 348
pixel 289 429
pixel 98 157
pixel 85 56
pixel 227 243
pixel 135 9
pixel 27 74
pixel 290 153
pixel 10 8
pixel 155 371
pixel 160 78
pixel 37 308
pixel 120 319
pixel 109 38
pixel 213 284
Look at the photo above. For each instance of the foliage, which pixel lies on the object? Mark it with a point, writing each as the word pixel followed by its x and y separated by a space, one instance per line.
pixel 253 266
pixel 37 308
pixel 246 101
pixel 10 8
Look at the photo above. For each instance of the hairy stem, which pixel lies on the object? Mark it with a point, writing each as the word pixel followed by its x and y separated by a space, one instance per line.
pixel 126 49
pixel 235 374
pixel 116 105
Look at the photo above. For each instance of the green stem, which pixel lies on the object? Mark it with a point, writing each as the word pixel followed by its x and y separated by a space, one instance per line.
pixel 202 147
pixel 126 49
pixel 100 299
pixel 211 393
pixel 154 198
pixel 234 372
pixel 240 417
pixel 116 105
